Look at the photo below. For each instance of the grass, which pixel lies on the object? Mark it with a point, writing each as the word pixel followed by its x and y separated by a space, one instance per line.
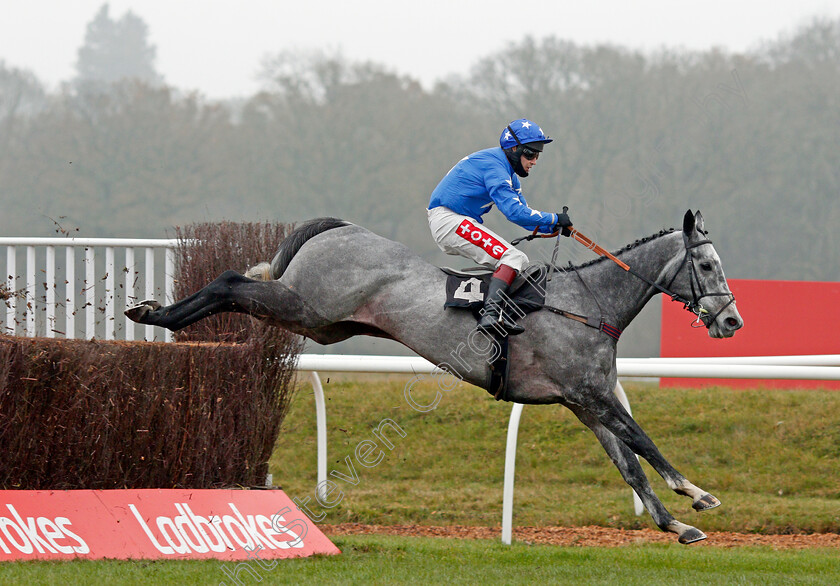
pixel 406 560
pixel 771 456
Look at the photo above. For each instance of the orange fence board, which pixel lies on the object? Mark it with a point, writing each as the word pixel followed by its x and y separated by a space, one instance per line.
pixel 781 318
pixel 155 524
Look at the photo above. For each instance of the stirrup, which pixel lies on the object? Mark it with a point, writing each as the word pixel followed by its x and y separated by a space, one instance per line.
pixel 499 325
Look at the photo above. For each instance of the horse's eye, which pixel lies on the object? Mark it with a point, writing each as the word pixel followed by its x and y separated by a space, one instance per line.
pixel 706 266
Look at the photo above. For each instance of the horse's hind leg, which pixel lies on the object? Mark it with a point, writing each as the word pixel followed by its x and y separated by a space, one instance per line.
pixel 230 292
pixel 632 472
pixel 214 298
pixel 615 418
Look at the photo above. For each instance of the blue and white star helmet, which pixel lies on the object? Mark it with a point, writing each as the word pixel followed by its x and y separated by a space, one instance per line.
pixel 523 131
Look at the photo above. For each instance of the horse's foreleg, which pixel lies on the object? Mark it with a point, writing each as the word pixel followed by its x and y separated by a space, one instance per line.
pixel 616 419
pixel 230 292
pixel 633 474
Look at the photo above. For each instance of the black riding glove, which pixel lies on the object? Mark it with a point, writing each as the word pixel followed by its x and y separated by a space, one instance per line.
pixel 563 223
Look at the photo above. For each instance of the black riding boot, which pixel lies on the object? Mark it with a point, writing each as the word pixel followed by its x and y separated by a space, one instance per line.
pixel 497 321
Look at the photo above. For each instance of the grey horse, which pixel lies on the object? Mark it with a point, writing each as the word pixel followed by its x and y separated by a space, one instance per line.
pixel 331 280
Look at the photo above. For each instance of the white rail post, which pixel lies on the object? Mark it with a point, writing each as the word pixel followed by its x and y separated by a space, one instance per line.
pixel 150 287
pixel 626 367
pixel 90 293
pixel 49 285
pixel 110 324
pixel 510 473
pixel 70 292
pixel 30 291
pixel 11 285
pixel 638 507
pixel 321 430
pixel 129 290
pixel 169 284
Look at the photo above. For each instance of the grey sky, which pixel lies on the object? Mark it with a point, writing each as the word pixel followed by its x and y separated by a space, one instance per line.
pixel 215 46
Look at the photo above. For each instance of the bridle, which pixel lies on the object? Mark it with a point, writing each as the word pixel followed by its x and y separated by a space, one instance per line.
pixel 704 318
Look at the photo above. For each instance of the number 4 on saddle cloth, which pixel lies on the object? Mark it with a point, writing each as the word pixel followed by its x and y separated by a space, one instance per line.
pixel 468 290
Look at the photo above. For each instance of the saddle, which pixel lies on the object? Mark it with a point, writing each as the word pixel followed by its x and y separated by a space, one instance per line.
pixel 467 289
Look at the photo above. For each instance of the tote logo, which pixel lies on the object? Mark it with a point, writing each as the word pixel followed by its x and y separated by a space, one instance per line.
pixel 227 525
pixel 472 233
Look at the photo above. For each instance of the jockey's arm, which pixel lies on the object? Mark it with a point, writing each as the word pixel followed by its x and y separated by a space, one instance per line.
pixel 513 205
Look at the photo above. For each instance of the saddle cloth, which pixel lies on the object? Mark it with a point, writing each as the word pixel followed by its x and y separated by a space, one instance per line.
pixel 468 290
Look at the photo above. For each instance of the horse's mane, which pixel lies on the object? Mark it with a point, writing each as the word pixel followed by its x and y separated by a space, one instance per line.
pixel 630 246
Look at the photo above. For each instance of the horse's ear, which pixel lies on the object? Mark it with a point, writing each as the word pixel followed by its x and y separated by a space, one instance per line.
pixel 698 222
pixel 688 223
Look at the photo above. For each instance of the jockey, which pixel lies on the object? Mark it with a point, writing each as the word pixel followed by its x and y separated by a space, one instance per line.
pixel 469 190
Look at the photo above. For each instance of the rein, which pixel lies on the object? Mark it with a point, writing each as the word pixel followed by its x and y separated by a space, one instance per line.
pixel 693 305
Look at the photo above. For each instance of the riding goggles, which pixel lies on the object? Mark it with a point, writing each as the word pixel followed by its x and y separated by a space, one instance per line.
pixel 530 153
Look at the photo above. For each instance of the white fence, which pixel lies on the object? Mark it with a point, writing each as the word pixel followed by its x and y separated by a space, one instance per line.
pixel 107 276
pixel 49 282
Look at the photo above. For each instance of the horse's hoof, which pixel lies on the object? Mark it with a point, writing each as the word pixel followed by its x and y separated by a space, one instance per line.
pixel 705 502
pixel 692 535
pixel 138 312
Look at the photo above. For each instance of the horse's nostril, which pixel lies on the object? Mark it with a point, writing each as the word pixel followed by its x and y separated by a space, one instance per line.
pixel 733 323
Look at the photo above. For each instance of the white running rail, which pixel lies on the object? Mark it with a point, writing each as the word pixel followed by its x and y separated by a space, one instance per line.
pixel 821 367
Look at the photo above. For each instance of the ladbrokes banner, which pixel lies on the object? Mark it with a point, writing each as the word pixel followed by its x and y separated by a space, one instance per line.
pixel 155 524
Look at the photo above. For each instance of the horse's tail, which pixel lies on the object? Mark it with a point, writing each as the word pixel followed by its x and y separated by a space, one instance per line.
pixel 259 272
pixel 290 246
